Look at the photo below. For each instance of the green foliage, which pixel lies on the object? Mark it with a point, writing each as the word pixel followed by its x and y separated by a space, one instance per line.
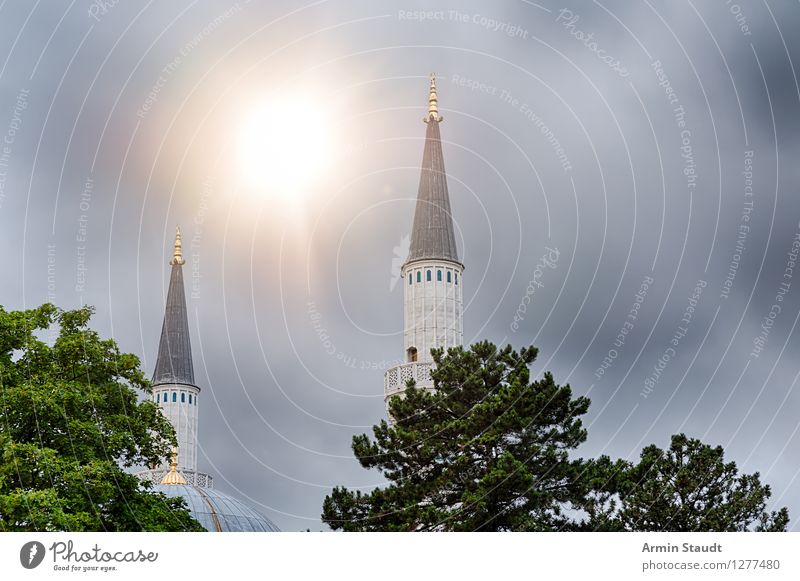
pixel 688 487
pixel 486 450
pixel 489 450
pixel 70 422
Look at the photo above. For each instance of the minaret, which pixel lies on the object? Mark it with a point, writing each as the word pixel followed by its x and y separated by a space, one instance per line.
pixel 432 273
pixel 173 380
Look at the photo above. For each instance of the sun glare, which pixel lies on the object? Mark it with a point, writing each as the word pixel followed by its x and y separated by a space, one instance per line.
pixel 285 146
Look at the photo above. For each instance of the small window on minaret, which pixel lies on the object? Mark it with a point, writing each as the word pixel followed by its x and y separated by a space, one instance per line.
pixel 449 277
pixel 165 396
pixel 429 276
pixel 174 396
pixel 419 276
pixel 412 354
pixel 190 398
pixel 456 278
pixel 409 278
pixel 183 397
pixel 439 275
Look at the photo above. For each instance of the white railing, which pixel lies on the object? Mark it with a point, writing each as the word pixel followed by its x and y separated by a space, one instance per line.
pixel 200 479
pixel 396 378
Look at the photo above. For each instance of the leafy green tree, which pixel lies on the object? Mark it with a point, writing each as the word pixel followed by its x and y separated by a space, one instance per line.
pixel 486 450
pixel 687 487
pixel 69 423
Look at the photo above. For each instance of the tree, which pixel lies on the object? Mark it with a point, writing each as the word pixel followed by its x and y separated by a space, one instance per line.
pixel 486 450
pixel 688 487
pixel 70 423
pixel 489 450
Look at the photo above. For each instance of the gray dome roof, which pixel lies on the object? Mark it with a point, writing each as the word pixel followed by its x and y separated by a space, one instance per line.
pixel 217 511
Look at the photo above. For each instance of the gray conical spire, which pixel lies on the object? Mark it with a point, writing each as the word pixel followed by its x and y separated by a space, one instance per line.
pixel 174 362
pixel 432 236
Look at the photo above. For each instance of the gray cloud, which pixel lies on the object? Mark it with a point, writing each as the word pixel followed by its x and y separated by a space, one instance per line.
pixel 294 320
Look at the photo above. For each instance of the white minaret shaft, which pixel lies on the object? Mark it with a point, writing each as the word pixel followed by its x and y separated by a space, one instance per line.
pixel 432 273
pixel 173 380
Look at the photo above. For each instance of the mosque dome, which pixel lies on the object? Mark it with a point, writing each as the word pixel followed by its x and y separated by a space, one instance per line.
pixel 217 511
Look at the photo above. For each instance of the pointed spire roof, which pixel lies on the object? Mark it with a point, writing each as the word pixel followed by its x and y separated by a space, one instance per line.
pixel 174 361
pixel 432 236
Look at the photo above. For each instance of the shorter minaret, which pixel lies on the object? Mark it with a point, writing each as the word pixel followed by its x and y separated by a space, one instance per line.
pixel 173 380
pixel 432 273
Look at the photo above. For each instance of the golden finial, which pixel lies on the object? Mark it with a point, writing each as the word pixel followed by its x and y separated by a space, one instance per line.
pixel 177 255
pixel 173 476
pixel 433 102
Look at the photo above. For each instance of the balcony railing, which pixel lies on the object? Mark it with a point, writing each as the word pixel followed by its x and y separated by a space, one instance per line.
pixel 200 479
pixel 395 379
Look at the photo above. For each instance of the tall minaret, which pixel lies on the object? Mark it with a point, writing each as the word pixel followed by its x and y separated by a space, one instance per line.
pixel 173 380
pixel 432 273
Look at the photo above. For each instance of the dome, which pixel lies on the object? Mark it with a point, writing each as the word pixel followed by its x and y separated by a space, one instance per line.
pixel 216 511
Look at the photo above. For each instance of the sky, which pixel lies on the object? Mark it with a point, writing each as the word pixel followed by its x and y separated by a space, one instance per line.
pixel 623 181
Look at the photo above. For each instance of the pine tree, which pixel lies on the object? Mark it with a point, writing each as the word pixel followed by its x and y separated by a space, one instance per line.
pixel 490 450
pixel 486 450
pixel 687 487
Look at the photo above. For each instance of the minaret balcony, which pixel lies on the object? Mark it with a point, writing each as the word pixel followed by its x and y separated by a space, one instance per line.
pixel 396 378
pixel 192 477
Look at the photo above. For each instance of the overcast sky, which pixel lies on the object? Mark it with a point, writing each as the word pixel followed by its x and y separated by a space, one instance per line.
pixel 651 148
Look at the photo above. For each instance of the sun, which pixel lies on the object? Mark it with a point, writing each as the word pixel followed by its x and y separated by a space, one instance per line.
pixel 285 146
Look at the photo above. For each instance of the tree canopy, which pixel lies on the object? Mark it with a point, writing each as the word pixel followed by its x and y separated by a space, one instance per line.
pixel 488 449
pixel 70 423
pixel 687 487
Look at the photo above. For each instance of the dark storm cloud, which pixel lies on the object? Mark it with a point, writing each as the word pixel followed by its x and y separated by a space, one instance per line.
pixel 546 146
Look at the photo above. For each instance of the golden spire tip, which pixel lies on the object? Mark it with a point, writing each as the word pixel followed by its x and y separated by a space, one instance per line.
pixel 433 102
pixel 173 476
pixel 177 255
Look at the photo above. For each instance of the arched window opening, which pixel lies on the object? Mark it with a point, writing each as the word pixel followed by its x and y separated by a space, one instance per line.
pixel 419 276
pixel 409 278
pixel 429 276
pixel 449 277
pixel 190 398
pixel 174 396
pixel 456 278
pixel 183 397
pixel 412 354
